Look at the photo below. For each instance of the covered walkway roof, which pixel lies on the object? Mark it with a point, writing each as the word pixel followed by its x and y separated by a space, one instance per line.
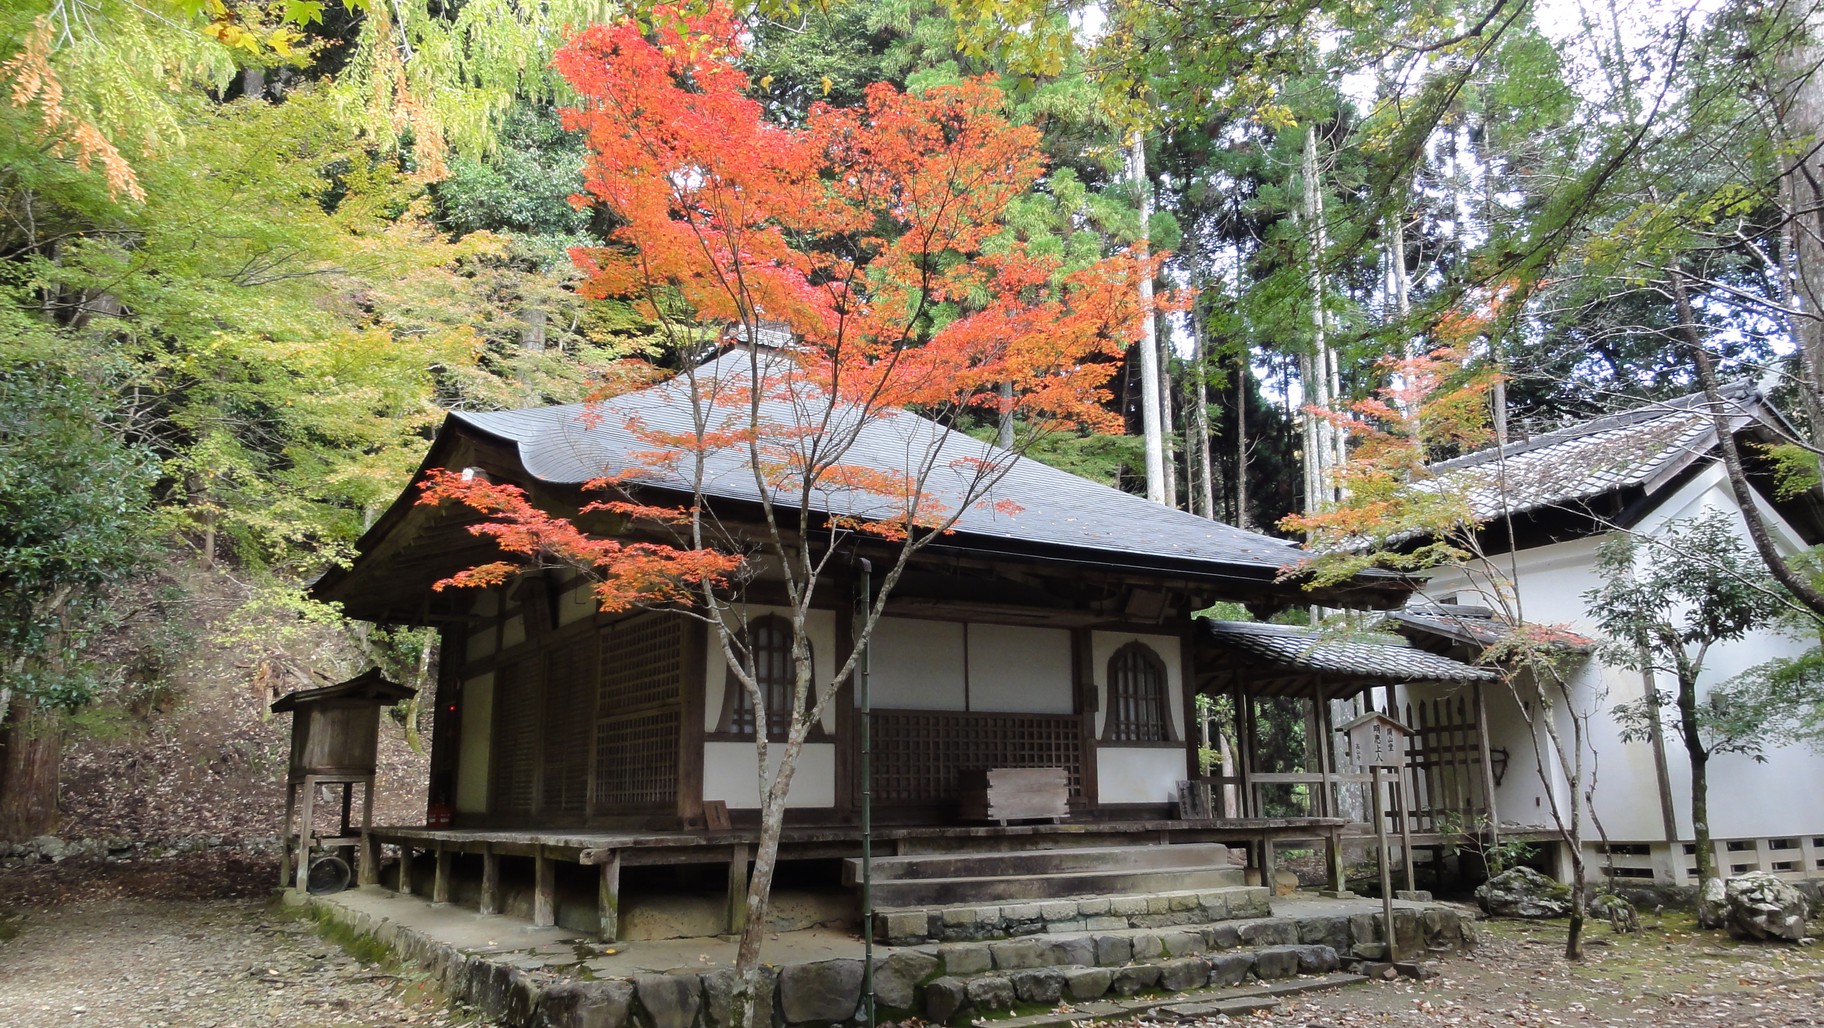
pixel 1294 660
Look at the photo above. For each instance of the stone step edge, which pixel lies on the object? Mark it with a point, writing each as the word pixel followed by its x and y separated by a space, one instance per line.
pixel 1359 935
pixel 852 865
pixel 904 926
pixel 908 884
pixel 1192 1004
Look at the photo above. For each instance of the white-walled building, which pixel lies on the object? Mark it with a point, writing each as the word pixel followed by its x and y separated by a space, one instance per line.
pixel 1546 505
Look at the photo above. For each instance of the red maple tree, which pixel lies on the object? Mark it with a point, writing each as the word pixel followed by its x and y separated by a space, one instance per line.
pixel 869 249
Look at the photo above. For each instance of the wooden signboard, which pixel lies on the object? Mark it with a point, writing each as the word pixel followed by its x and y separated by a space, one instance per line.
pixel 1006 794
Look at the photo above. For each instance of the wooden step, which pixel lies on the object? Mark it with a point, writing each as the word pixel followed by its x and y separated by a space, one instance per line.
pixel 1025 863
pixel 941 892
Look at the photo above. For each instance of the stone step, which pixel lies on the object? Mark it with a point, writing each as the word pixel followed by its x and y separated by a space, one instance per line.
pixel 1023 863
pixel 1136 985
pixel 963 922
pixel 1194 1005
pixel 941 892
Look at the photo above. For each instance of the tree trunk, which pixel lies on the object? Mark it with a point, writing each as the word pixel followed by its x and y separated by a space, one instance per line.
pixel 1243 382
pixel 31 745
pixel 1318 370
pixel 1152 426
pixel 1699 758
pixel 1004 438
pixel 1799 106
pixel 1800 585
pixel 1197 427
pixel 1168 459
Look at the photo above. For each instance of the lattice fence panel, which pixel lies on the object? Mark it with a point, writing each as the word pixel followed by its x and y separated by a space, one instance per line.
pixel 515 757
pixel 637 714
pixel 919 754
pixel 1444 755
pixel 570 687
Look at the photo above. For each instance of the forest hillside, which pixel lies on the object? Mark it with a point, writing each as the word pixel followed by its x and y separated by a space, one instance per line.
pixel 253 253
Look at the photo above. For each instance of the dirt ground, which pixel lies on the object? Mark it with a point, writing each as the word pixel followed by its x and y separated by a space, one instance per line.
pixel 122 957
pixel 1668 975
pixel 196 964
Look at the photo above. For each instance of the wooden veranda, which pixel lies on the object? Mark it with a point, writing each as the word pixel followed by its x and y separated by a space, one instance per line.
pixel 607 854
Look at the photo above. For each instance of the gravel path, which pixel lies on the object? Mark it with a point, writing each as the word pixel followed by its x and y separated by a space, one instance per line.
pixel 210 964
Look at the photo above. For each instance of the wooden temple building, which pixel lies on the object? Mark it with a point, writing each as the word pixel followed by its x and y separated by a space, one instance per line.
pixel 572 746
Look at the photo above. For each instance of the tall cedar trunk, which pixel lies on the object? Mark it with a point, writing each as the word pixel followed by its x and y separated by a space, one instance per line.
pixel 1167 421
pixel 1800 109
pixel 1197 427
pixel 1317 371
pixel 1152 426
pixel 31 745
pixel 1243 382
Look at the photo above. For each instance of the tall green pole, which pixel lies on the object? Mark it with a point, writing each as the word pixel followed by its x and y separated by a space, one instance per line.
pixel 866 603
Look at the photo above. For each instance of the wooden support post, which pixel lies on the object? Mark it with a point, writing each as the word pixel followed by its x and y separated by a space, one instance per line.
pixel 1380 832
pixel 1335 878
pixel 368 874
pixel 1488 767
pixel 405 868
pixel 1399 788
pixel 490 880
pixel 440 885
pixel 1269 864
pixel 307 814
pixel 609 897
pixel 1250 800
pixel 544 890
pixel 285 859
pixel 737 889
pixel 348 806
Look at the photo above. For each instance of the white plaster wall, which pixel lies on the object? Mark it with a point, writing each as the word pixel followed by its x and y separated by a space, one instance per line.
pixel 472 747
pixel 821 624
pixel 1747 799
pixel 1139 774
pixel 730 775
pixel 1014 668
pixel 918 665
pixel 575 603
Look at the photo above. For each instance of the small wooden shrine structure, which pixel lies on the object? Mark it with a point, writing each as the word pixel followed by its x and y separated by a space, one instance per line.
pixel 335 734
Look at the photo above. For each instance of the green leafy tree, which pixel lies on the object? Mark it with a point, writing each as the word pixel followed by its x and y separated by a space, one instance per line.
pixel 74 523
pixel 1664 601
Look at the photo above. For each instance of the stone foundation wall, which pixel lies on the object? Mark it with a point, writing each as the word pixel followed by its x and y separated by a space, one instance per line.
pixel 941 983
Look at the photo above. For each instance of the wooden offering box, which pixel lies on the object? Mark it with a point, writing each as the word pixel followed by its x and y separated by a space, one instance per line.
pixel 1006 794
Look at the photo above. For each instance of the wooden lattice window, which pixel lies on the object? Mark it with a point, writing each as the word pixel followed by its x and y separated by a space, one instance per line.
pixel 515 756
pixel 1136 696
pixel 768 642
pixel 637 715
pixel 919 755
pixel 570 686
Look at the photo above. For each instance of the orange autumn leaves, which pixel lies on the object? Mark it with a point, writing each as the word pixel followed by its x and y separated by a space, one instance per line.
pixel 871 239
pixel 876 233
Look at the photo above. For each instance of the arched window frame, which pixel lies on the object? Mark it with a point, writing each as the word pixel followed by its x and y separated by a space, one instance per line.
pixel 768 643
pixel 1139 695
